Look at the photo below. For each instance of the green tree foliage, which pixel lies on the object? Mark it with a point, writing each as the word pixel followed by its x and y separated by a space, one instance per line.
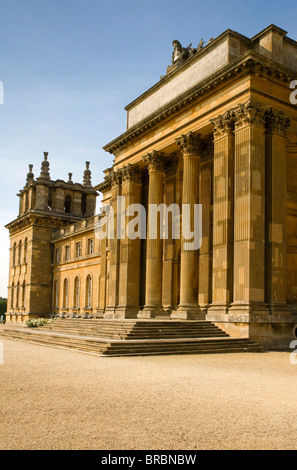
pixel 3 306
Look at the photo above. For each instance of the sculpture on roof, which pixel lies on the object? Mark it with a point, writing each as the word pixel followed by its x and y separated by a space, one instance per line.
pixel 180 53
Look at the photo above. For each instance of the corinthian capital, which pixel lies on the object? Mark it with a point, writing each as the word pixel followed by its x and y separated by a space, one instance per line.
pixel 116 178
pixel 154 161
pixel 190 144
pixel 131 173
pixel 250 113
pixel 277 122
pixel 223 124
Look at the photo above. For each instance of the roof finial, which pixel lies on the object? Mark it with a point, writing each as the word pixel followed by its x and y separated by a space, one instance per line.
pixel 87 176
pixel 44 174
pixel 30 175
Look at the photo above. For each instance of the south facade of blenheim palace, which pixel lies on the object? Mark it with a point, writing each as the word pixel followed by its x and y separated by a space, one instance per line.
pixel 218 130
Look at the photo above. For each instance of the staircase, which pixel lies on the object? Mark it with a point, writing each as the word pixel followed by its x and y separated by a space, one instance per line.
pixel 132 337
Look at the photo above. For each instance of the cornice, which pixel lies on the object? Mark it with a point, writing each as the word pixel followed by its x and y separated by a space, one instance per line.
pixel 248 63
pixel 39 218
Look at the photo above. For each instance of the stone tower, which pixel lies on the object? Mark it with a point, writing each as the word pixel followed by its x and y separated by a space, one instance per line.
pixel 45 206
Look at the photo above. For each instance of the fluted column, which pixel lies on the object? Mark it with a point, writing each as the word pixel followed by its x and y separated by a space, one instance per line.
pixel 223 215
pixel 188 308
pixel 249 213
pixel 154 252
pixel 276 173
pixel 169 242
pixel 129 269
pixel 114 243
pixel 206 201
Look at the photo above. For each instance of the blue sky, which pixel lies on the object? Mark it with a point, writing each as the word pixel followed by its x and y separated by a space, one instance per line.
pixel 69 67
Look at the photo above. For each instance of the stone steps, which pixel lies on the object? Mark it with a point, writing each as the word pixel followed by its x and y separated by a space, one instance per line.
pixel 137 330
pixel 92 338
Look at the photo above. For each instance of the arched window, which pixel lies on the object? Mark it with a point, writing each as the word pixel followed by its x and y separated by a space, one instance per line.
pixel 67 204
pixel 25 250
pixel 23 294
pixel 19 252
pixel 76 292
pixel 17 295
pixel 65 293
pixel 89 291
pixel 12 295
pixel 56 294
pixel 14 255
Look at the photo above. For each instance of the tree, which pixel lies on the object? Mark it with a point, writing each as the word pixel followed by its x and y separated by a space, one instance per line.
pixel 3 307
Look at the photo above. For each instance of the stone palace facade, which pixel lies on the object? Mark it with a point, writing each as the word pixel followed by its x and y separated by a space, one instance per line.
pixel 219 130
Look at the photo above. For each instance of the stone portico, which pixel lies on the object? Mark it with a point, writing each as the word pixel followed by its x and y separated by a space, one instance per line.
pixel 217 130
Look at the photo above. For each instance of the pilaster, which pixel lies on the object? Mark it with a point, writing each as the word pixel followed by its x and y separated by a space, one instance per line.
pixel 223 216
pixel 276 249
pixel 249 210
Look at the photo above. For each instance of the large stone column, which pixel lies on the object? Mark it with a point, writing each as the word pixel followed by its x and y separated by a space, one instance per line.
pixel 114 244
pixel 169 242
pixel 276 173
pixel 249 214
pixel 206 201
pixel 154 252
pixel 188 307
pixel 129 269
pixel 223 216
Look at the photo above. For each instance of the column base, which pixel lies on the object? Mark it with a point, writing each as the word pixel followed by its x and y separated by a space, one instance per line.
pixel 240 311
pixel 153 312
pixel 218 312
pixel 126 312
pixel 188 312
pixel 109 312
pixel 99 312
pixel 218 308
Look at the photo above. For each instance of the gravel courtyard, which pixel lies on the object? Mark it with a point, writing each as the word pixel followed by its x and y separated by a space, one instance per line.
pixel 58 399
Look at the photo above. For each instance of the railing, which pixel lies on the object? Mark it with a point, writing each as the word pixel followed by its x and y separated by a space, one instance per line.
pixel 76 227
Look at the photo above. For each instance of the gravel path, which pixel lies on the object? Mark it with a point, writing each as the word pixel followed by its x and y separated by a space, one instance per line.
pixel 58 399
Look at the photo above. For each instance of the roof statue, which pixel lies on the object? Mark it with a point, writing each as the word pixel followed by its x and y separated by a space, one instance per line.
pixel 180 53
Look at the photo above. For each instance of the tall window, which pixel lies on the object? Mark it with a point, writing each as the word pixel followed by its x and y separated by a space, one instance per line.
pixel 78 249
pixel 67 252
pixel 19 252
pixel 56 294
pixel 76 293
pixel 58 255
pixel 89 292
pixel 25 250
pixel 65 296
pixel 90 246
pixel 14 255
pixel 23 294
pixel 12 295
pixel 67 204
pixel 17 295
